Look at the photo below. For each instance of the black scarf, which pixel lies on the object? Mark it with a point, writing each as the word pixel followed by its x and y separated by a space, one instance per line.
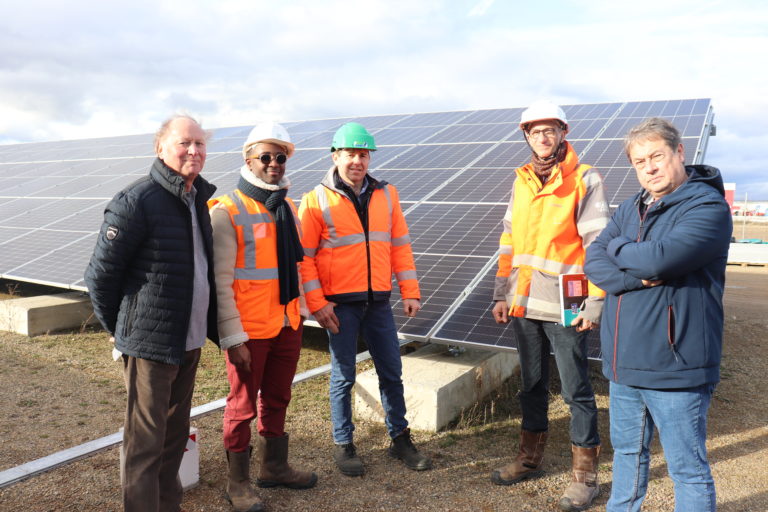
pixel 289 249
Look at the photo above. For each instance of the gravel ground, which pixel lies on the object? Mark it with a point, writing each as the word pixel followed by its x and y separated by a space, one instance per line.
pixel 62 390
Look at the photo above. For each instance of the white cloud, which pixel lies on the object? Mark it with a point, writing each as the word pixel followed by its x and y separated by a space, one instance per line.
pixel 481 8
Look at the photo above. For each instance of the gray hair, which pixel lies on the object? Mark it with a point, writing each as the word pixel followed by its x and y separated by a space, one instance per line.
pixel 163 130
pixel 653 128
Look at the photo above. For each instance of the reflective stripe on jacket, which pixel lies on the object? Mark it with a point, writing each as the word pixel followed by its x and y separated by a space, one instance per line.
pixel 546 232
pixel 345 261
pixel 256 285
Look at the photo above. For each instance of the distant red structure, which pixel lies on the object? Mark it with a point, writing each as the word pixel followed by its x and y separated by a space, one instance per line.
pixel 730 195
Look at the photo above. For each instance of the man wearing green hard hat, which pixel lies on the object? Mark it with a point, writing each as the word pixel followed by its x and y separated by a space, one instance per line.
pixel 355 237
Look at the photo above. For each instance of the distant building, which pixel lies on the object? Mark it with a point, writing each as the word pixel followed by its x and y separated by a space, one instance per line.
pixel 730 195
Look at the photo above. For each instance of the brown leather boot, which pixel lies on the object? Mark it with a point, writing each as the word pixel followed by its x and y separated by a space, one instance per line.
pixel 239 492
pixel 528 462
pixel 275 469
pixel 584 488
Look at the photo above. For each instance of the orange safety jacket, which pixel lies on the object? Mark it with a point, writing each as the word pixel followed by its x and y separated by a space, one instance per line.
pixel 256 285
pixel 345 261
pixel 546 232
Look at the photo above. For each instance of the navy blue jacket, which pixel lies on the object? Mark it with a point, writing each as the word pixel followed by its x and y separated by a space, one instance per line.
pixel 141 274
pixel 671 335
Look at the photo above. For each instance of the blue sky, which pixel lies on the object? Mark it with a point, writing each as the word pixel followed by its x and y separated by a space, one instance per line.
pixel 82 69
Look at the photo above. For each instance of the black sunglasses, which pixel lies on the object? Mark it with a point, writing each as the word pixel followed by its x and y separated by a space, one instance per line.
pixel 266 158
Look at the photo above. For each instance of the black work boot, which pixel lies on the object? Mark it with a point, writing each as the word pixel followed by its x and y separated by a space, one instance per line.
pixel 402 448
pixel 347 460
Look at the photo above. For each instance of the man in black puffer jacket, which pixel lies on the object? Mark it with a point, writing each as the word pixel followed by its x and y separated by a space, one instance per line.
pixel 153 289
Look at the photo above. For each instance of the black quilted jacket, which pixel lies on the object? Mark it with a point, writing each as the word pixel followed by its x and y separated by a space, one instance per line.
pixel 141 273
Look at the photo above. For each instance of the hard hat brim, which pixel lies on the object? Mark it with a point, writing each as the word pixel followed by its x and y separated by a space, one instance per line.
pixel 289 147
pixel 528 122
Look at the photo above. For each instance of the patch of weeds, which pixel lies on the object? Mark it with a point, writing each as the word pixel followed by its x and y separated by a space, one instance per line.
pixel 26 403
pixel 448 440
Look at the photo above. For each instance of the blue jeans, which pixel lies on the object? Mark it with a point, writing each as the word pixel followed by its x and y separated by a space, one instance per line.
pixel 375 322
pixel 534 338
pixel 680 415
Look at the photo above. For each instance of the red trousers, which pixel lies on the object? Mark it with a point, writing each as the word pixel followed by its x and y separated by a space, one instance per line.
pixel 264 392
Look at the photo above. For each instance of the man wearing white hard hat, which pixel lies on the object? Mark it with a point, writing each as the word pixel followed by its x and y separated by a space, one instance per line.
pixel 256 236
pixel 557 208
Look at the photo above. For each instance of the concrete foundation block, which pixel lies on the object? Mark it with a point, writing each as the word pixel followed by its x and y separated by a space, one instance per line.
pixel 438 386
pixel 33 316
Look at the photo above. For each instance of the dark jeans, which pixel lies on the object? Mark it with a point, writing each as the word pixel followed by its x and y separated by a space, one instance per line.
pixel 534 338
pixel 375 322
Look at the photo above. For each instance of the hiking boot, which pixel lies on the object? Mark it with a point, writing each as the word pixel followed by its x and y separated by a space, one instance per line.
pixel 275 469
pixel 239 492
pixel 402 448
pixel 347 460
pixel 584 487
pixel 528 462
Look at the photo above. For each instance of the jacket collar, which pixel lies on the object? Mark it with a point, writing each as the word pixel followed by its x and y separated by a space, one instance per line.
pixel 332 180
pixel 700 178
pixel 174 183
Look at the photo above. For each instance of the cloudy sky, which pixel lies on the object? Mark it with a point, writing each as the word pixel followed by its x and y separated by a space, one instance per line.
pixel 82 69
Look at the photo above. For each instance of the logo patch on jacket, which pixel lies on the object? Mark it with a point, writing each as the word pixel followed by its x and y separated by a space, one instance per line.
pixel 112 232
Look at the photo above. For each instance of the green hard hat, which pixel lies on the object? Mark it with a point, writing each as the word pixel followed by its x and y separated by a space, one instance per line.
pixel 352 136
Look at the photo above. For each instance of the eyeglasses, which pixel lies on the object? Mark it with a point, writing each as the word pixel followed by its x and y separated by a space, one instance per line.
pixel 266 158
pixel 546 132
pixel 641 163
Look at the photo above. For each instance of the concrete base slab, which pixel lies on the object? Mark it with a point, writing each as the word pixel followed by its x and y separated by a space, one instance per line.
pixel 438 385
pixel 32 316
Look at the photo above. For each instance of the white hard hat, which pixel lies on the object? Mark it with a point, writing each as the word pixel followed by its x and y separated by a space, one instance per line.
pixel 270 132
pixel 541 111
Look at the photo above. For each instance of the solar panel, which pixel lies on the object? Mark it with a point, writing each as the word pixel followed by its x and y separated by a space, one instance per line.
pixel 453 170
pixel 437 156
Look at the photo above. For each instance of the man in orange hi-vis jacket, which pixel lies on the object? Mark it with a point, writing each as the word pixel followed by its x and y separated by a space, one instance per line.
pixel 355 237
pixel 261 312
pixel 556 210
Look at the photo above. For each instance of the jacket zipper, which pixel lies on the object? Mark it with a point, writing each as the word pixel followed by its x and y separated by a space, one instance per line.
pixel 640 230
pixel 616 340
pixel 362 214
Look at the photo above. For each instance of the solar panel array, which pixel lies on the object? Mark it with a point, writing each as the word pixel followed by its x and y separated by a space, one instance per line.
pixel 454 171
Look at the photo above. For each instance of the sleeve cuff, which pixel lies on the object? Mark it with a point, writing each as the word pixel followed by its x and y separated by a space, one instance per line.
pixel 229 341
pixel 500 289
pixel 593 309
